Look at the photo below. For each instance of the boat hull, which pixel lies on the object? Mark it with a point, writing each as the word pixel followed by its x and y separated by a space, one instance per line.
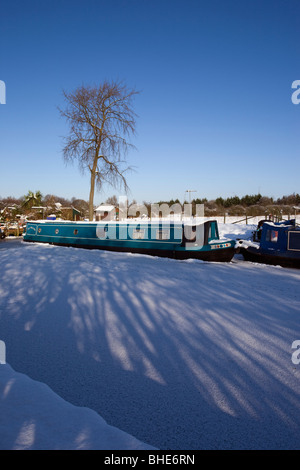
pixel 284 260
pixel 223 254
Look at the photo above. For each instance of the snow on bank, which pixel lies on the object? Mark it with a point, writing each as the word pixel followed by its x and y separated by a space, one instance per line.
pixel 235 231
pixel 178 354
pixel 32 417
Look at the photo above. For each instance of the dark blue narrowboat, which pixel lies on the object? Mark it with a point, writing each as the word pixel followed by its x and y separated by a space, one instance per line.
pixel 276 243
pixel 167 239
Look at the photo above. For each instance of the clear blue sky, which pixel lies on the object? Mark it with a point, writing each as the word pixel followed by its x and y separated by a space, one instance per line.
pixel 215 110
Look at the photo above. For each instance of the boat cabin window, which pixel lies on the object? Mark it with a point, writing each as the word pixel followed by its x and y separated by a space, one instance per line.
pixel 294 241
pixel 210 233
pixel 162 234
pixel 272 236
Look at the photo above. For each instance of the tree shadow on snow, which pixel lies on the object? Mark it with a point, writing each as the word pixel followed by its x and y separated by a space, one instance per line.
pixel 182 355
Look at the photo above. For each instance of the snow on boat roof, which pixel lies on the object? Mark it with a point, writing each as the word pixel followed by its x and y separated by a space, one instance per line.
pixel 125 221
pixel 278 224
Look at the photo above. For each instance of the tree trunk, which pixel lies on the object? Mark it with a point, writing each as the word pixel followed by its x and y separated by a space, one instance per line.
pixel 91 199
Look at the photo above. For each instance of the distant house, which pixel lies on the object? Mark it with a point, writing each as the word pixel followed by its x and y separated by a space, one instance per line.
pixel 8 211
pixel 70 213
pixel 107 212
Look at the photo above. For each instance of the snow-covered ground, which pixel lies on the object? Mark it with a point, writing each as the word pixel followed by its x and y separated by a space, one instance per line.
pixel 121 351
pixel 33 417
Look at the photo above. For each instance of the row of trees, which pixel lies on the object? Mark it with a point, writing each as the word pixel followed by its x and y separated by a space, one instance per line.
pixel 244 201
pixel 251 200
pixel 250 205
pixel 33 204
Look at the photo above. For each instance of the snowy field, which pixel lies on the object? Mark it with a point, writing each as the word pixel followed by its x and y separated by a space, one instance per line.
pixel 121 351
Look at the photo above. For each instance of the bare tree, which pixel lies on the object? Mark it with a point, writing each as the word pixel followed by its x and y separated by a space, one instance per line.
pixel 112 200
pixel 101 121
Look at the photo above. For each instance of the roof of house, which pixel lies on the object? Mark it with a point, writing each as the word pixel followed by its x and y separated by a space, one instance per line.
pixel 104 208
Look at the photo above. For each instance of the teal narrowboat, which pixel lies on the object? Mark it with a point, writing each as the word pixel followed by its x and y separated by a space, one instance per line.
pixel 167 239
